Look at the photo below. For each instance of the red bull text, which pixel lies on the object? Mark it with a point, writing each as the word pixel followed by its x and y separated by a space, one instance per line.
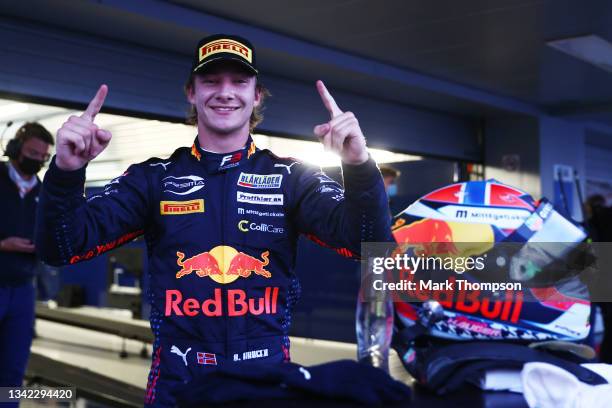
pixel 467 301
pixel 236 299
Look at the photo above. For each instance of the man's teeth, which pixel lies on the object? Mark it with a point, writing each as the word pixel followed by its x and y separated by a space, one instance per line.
pixel 225 109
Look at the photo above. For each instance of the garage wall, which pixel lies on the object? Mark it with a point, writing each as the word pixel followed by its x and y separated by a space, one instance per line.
pixel 598 163
pixel 44 62
pixel 540 144
pixel 561 142
pixel 515 138
pixel 598 155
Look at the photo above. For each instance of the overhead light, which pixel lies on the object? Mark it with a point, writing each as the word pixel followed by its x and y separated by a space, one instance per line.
pixel 590 48
pixel 313 153
pixel 12 109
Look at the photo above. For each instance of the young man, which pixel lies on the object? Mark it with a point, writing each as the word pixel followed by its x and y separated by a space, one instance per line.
pixel 19 187
pixel 221 218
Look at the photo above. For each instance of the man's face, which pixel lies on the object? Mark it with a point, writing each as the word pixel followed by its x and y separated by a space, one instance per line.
pixel 35 149
pixel 34 152
pixel 388 180
pixel 224 97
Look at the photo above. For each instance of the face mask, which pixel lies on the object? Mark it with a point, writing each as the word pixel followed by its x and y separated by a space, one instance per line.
pixel 29 166
pixel 392 190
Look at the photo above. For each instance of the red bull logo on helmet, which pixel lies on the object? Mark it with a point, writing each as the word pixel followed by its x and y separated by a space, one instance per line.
pixel 470 301
pixel 431 237
pixel 223 264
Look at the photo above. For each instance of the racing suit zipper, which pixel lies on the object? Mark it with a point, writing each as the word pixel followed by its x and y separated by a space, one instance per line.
pixel 224 223
pixel 223 209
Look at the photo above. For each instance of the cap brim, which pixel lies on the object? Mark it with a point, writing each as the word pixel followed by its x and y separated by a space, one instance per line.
pixel 206 64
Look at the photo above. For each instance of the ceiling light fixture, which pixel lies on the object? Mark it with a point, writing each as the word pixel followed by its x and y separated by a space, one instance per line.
pixel 589 48
pixel 11 109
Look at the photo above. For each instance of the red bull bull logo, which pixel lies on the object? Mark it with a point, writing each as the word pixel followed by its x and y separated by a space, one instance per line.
pixel 223 264
pixel 243 265
pixel 429 236
pixel 203 264
pixel 433 237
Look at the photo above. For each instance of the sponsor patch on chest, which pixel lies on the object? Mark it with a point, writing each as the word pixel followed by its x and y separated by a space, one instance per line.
pixel 264 199
pixel 182 185
pixel 181 207
pixel 260 180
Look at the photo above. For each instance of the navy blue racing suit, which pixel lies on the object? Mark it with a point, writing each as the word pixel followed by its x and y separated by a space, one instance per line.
pixel 221 233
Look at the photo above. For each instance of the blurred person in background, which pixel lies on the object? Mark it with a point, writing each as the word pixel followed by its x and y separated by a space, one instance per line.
pixel 599 219
pixel 19 186
pixel 390 175
pixel 599 225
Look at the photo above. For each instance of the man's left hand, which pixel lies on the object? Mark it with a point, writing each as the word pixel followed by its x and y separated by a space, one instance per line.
pixel 342 133
pixel 17 244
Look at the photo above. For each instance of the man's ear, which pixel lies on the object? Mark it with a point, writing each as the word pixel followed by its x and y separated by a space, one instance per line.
pixel 189 91
pixel 258 96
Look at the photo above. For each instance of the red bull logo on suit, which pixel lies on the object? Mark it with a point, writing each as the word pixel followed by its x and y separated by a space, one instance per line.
pixel 223 264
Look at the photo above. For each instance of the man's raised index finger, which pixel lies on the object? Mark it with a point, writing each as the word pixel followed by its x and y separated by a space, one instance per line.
pixel 96 103
pixel 328 100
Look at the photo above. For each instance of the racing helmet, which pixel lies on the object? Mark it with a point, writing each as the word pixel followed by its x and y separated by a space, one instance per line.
pixel 554 304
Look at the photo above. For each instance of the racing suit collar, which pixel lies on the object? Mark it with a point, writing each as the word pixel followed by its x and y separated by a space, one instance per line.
pixel 219 162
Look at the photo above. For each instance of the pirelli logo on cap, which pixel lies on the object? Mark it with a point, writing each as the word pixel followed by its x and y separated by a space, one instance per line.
pixel 226 45
pixel 181 207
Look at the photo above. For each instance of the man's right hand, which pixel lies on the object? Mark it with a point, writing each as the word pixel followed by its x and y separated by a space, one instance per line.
pixel 16 244
pixel 79 140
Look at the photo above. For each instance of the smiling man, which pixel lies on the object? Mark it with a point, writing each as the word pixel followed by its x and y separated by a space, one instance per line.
pixel 228 101
pixel 221 218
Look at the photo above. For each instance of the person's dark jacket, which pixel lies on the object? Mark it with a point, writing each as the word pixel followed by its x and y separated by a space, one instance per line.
pixel 17 219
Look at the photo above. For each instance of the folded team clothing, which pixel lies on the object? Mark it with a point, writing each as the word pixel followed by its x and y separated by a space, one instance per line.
pixel 342 380
pixel 548 386
pixel 604 370
pixel 501 380
pixel 511 380
pixel 447 368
